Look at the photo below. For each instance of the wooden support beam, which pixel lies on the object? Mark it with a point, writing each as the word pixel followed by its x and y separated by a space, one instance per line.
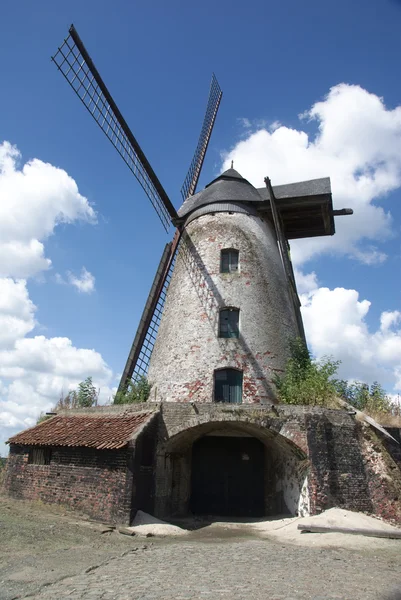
pixel 381 533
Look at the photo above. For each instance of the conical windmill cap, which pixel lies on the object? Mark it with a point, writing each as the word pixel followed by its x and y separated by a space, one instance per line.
pixel 229 174
pixel 230 186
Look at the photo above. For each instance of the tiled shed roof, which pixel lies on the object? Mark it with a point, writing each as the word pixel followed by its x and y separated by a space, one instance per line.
pixel 100 432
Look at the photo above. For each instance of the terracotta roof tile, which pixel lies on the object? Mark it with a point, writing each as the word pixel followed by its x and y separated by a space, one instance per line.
pixel 100 432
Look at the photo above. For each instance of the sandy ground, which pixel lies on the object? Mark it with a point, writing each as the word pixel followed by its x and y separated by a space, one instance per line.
pixel 40 544
pixel 283 530
pixel 48 552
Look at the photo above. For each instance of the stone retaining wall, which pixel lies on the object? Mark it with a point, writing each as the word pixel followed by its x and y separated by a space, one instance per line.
pixel 315 459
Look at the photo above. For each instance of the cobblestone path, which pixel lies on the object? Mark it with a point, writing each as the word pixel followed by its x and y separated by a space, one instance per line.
pixel 236 569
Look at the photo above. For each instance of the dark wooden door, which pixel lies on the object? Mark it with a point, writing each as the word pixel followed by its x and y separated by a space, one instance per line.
pixel 228 476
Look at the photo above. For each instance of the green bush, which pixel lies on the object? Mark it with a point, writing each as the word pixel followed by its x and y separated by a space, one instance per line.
pixel 134 391
pixel 307 381
pixel 371 399
pixel 313 382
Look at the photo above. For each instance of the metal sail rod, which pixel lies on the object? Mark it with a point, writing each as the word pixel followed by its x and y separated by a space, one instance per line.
pixel 124 125
pixel 285 259
pixel 142 346
pixel 192 177
pixel 75 64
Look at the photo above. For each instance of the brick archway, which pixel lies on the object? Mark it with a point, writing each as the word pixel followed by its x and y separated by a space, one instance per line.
pixel 283 470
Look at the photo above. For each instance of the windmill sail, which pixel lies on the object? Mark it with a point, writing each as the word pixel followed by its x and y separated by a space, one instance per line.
pixel 141 350
pixel 139 357
pixel 191 180
pixel 74 62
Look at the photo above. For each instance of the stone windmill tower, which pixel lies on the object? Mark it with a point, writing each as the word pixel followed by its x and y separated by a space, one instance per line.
pixel 223 305
pixel 231 306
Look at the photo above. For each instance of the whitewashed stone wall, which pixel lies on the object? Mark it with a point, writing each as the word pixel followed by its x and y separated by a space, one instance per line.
pixel 188 349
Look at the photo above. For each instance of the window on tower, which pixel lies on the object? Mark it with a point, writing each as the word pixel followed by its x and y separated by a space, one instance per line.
pixel 229 261
pixel 228 386
pixel 229 323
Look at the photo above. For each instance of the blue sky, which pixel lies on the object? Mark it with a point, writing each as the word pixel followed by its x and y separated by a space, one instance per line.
pixel 274 61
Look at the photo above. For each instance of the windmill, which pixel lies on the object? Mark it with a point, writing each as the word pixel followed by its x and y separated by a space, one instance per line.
pixel 226 270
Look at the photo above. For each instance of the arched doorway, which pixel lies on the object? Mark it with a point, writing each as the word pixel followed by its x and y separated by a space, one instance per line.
pixel 228 476
pixel 231 468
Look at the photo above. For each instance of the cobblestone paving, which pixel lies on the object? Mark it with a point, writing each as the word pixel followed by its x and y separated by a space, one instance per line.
pixel 236 569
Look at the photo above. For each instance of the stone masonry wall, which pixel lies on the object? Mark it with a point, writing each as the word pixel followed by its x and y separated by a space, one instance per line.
pixel 326 446
pixel 317 458
pixel 382 459
pixel 96 482
pixel 337 469
pixel 188 348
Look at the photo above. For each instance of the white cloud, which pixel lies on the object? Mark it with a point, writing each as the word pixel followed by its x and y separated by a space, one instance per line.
pixel 305 282
pixel 388 319
pixel 34 199
pixel 357 144
pixel 34 370
pixel 85 283
pixel 16 312
pixel 244 122
pixel 335 324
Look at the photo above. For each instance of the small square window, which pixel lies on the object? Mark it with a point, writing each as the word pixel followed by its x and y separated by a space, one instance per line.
pixel 228 386
pixel 229 261
pixel 39 456
pixel 229 323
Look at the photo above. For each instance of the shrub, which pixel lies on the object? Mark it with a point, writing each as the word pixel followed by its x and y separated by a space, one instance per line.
pixel 134 391
pixel 307 381
pixel 84 396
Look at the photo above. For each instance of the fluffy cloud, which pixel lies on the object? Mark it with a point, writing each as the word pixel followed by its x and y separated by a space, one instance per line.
pixel 357 144
pixel 34 199
pixel 85 283
pixel 17 312
pixel 335 324
pixel 52 366
pixel 34 370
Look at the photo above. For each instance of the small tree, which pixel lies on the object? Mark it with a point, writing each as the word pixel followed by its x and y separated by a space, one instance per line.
pixel 307 381
pixel 87 395
pixel 68 401
pixel 134 391
pixel 363 397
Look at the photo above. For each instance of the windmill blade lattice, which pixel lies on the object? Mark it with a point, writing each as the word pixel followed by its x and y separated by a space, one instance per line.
pixel 74 62
pixel 141 351
pixel 191 180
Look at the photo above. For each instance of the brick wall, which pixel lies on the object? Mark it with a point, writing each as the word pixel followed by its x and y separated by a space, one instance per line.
pixel 382 459
pixel 337 468
pixel 97 482
pixel 327 443
pixel 347 463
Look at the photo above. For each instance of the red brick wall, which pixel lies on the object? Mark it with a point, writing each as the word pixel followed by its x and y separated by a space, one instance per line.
pixel 97 482
pixel 383 467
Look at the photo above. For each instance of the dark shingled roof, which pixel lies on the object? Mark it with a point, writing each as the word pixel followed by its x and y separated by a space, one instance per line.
pixel 229 186
pixel 90 431
pixel 229 174
pixel 313 187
